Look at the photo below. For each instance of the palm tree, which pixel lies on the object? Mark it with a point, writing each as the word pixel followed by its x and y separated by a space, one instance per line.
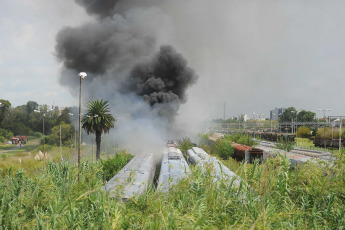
pixel 98 120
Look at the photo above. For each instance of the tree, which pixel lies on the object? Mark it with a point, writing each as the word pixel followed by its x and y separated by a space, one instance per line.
pixel 303 131
pixel 64 117
pixel 305 116
pixel 223 149
pixel 98 120
pixel 288 115
pixel 4 108
pixel 31 106
pixel 66 135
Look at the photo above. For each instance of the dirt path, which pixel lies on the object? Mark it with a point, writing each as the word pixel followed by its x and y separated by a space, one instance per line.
pixel 32 142
pixel 11 149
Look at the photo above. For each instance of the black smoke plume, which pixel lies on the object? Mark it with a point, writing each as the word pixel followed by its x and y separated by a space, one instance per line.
pixel 101 8
pixel 164 79
pixel 124 51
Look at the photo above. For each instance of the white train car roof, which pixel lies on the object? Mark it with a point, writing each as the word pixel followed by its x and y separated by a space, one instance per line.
pixel 173 168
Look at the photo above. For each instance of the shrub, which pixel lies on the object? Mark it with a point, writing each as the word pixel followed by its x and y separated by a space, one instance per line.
pixel 204 139
pixel 241 139
pixel 303 131
pixel 185 144
pixel 113 165
pixel 223 149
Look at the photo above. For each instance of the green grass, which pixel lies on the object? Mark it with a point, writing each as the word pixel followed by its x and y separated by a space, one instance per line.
pixel 6 147
pixel 311 197
pixel 306 143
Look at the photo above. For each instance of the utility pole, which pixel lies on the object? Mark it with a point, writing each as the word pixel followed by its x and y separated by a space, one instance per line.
pixel 82 75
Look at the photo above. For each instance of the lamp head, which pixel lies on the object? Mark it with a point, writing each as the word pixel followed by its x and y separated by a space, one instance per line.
pixel 82 75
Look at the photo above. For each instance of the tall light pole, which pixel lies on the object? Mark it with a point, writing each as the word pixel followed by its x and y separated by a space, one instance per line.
pixel 75 138
pixel 44 139
pixel 272 114
pixel 324 115
pixel 294 125
pixel 82 75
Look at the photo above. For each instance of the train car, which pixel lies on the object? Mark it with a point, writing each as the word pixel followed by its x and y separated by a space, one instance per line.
pixel 192 157
pixel 334 143
pixel 220 171
pixel 247 153
pixel 132 179
pixel 271 136
pixel 173 168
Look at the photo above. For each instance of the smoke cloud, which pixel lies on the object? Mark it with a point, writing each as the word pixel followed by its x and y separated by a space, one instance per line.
pixel 129 59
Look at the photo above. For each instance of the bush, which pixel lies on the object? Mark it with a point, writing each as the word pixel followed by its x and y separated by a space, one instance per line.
pixel 6 134
pixel 303 131
pixel 241 139
pixel 185 144
pixel 223 149
pixel 113 165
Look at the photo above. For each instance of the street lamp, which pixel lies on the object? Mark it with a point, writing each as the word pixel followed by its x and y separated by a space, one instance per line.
pixel 75 137
pixel 82 75
pixel 272 114
pixel 44 139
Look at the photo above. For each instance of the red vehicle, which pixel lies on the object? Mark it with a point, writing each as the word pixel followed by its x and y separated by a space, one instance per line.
pixel 18 139
pixel 15 140
pixel 22 139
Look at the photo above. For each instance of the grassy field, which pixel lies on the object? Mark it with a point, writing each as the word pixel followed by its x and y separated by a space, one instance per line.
pixel 4 147
pixel 311 197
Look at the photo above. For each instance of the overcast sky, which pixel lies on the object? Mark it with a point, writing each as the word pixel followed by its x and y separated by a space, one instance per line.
pixel 253 55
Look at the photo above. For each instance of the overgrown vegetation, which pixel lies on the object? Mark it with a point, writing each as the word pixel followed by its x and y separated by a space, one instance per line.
pixel 311 197
pixel 114 164
pixel 285 144
pixel 329 133
pixel 304 132
pixel 185 144
pixel 222 148
pixel 240 139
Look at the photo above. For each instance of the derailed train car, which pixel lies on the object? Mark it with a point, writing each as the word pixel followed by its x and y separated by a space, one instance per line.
pixel 173 168
pixel 199 157
pixel 132 179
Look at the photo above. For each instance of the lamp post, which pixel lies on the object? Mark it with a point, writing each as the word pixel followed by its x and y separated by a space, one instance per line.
pixel 82 75
pixel 75 137
pixel 44 139
pixel 272 114
pixel 324 115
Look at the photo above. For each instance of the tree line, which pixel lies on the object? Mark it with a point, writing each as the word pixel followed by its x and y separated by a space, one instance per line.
pixel 28 120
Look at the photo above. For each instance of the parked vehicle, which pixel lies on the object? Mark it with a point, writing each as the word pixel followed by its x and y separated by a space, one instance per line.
pixel 18 139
